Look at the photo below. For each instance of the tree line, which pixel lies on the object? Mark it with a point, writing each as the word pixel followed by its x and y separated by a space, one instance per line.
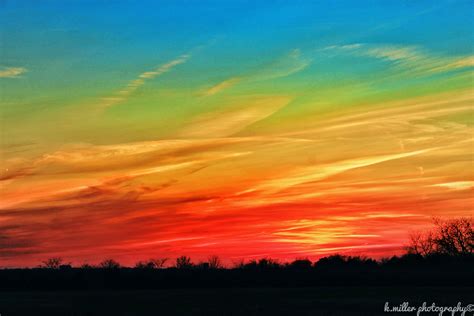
pixel 449 238
pixel 440 256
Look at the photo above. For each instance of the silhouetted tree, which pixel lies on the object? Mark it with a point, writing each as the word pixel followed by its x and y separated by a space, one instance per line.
pixel 214 262
pixel 361 262
pixel 263 264
pixel 268 263
pixel 157 263
pixel 251 264
pixel 87 266
pixel 422 243
pixel 333 261
pixel 239 264
pixel 346 263
pixel 203 265
pixel 144 265
pixel 109 264
pixel 65 266
pixel 455 237
pixel 52 263
pixel 452 237
pixel 183 262
pixel 301 264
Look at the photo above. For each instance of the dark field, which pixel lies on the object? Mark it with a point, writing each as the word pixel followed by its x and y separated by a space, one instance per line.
pixel 328 300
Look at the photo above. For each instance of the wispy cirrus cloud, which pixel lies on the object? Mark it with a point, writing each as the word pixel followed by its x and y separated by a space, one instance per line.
pixel 395 53
pixel 463 62
pixel 243 112
pixel 133 85
pixel 235 117
pixel 12 72
pixel 321 172
pixel 412 60
pixel 456 185
pixel 222 86
pixel 287 65
pixel 84 165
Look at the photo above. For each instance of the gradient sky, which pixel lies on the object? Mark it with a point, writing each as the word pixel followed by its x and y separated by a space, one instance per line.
pixel 238 128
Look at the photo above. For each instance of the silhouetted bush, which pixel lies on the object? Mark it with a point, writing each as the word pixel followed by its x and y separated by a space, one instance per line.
pixel 65 266
pixel 183 262
pixel 214 262
pixel 301 264
pixel 52 263
pixel 87 266
pixel 109 264
pixel 158 263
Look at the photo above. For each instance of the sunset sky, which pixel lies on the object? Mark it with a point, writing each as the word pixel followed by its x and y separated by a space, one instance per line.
pixel 238 128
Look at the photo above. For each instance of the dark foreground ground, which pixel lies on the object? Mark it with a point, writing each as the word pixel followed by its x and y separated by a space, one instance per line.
pixel 327 300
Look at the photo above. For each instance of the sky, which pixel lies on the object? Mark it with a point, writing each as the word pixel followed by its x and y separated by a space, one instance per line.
pixel 244 129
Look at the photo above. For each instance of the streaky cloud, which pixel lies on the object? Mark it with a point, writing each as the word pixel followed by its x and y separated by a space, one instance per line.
pixel 222 86
pixel 12 72
pixel 234 118
pixel 287 65
pixel 408 60
pixel 133 85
